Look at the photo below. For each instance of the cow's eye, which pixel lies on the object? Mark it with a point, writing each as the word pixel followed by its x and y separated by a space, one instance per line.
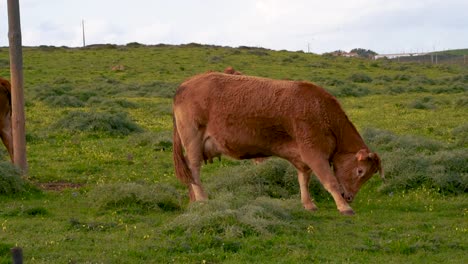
pixel 360 172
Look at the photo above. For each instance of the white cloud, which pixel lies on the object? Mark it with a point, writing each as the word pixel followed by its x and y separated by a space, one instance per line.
pixel 278 24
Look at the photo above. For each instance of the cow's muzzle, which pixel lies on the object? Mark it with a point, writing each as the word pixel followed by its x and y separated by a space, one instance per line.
pixel 348 197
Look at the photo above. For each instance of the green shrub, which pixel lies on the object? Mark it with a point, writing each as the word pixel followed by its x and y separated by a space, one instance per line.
pixel 4 63
pixel 215 59
pixel 261 216
pixel 258 52
pixel 422 103
pixel 411 162
pixel 110 103
pixel 156 89
pixel 462 102
pixel 111 123
pixel 423 79
pixel 42 92
pixel 334 82
pixel 460 135
pixel 384 78
pixel 10 179
pixel 5 255
pixel 360 78
pixel 353 91
pixel 387 141
pixel 455 88
pixel 402 77
pixel 64 101
pixel 135 198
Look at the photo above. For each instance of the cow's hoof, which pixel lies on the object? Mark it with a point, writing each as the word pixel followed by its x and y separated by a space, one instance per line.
pixel 347 212
pixel 311 208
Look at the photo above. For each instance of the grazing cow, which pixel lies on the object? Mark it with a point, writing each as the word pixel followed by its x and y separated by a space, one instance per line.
pixel 247 117
pixel 5 115
pixel 230 70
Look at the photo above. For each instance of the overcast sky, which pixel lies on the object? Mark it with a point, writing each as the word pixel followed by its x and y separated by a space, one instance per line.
pixel 385 26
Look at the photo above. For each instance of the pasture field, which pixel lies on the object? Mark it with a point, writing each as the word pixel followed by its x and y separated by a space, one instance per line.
pixel 101 185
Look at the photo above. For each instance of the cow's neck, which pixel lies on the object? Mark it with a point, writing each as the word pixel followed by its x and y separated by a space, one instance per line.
pixel 349 140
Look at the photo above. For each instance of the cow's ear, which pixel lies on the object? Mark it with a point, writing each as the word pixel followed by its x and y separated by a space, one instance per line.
pixel 362 154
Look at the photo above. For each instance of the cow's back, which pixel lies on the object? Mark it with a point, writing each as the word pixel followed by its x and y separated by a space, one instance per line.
pixel 222 95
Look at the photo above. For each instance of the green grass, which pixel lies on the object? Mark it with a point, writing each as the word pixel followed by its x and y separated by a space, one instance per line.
pixel 106 135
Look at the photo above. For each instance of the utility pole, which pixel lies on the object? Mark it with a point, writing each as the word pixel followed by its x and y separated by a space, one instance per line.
pixel 16 79
pixel 84 39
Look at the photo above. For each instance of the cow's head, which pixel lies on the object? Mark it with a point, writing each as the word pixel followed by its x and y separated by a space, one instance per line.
pixel 352 171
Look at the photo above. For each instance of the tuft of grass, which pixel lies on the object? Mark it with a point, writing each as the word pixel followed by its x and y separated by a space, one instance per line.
pixel 135 198
pixel 78 225
pixel 28 212
pixel 423 103
pixel 219 217
pixel 159 141
pixel 110 103
pixel 110 123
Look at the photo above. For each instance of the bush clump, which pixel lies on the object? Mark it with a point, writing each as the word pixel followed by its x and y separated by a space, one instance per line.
pixel 410 162
pixel 136 198
pixel 111 123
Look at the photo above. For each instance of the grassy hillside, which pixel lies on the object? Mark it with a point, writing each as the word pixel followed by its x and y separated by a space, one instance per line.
pixel 101 186
pixel 458 52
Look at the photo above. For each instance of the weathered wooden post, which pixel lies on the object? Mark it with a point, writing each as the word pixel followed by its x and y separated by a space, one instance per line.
pixel 17 255
pixel 16 79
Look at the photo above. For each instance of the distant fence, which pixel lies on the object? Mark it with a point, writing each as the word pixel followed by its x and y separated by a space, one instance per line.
pixel 433 58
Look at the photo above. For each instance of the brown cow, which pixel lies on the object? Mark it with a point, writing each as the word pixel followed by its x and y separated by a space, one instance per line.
pixel 247 117
pixel 5 115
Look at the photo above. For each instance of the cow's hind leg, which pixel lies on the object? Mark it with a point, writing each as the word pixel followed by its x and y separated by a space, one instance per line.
pixel 194 151
pixel 5 134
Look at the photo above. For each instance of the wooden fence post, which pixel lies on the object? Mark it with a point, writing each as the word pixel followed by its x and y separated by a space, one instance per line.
pixel 17 96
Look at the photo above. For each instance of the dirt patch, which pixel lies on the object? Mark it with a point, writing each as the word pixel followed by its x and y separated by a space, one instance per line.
pixel 59 186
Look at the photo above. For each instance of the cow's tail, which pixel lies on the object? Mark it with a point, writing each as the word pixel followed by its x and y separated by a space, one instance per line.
pixel 182 170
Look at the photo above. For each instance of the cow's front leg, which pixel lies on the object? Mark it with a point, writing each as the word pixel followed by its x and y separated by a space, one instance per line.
pixel 322 170
pixel 304 177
